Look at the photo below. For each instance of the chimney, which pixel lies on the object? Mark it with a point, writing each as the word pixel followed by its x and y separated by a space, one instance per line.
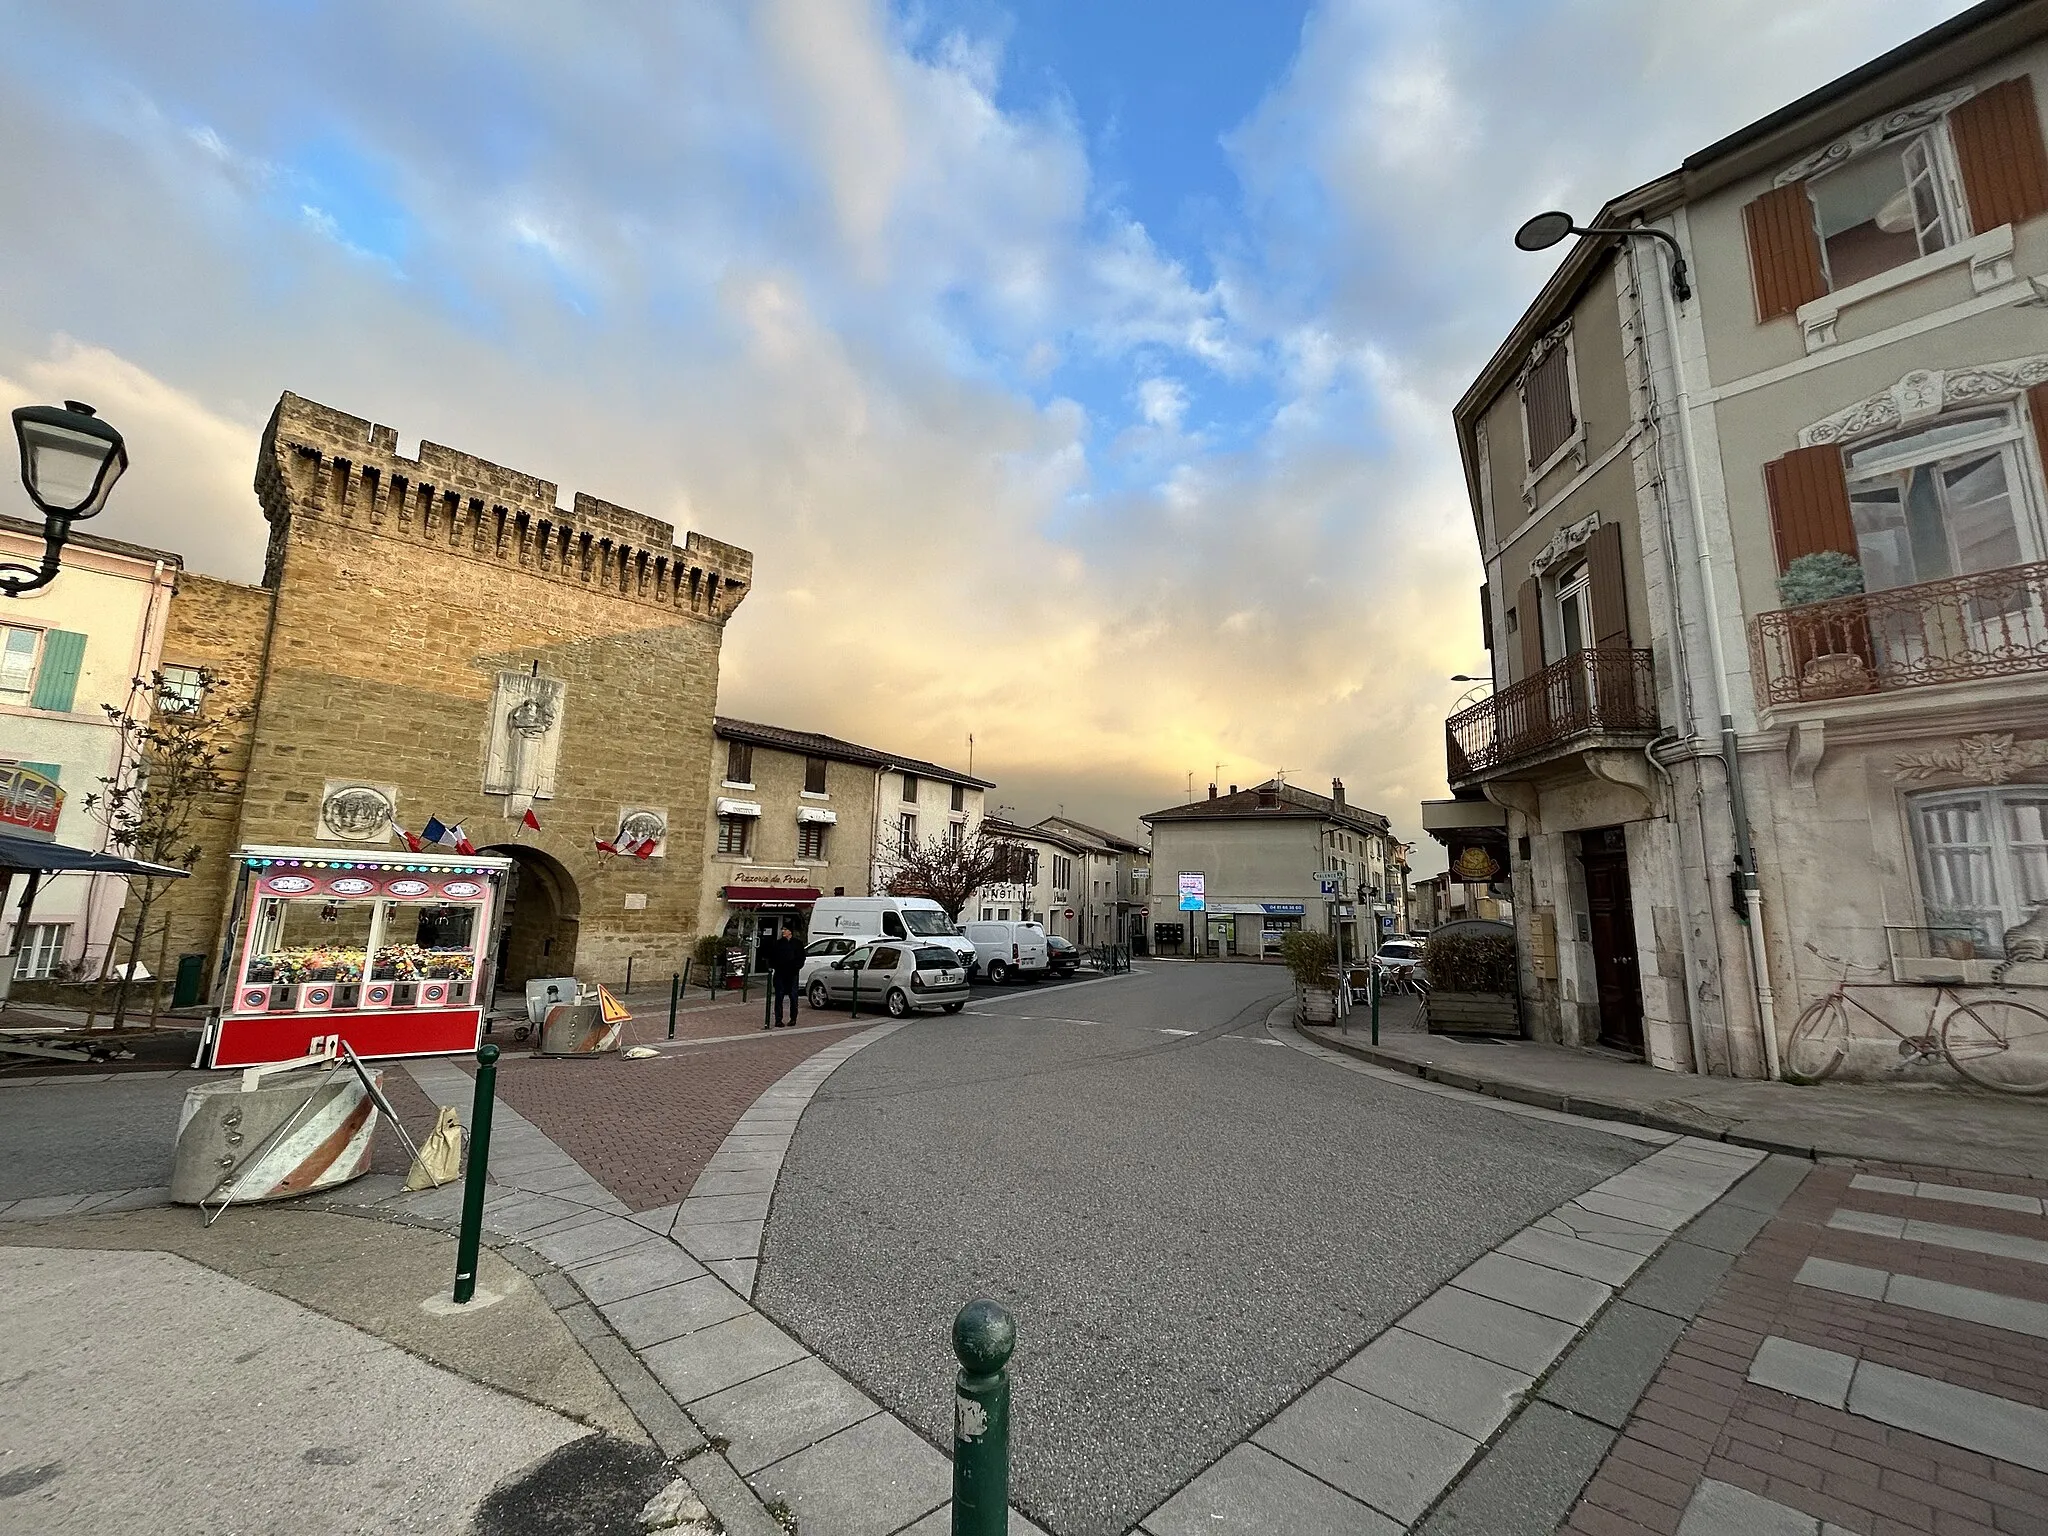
pixel 1212 791
pixel 1233 789
pixel 1269 798
pixel 1337 792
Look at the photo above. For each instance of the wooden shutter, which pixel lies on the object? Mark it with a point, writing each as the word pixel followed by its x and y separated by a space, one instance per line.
pixel 1529 615
pixel 1810 503
pixel 57 675
pixel 1784 251
pixel 1547 404
pixel 1610 595
pixel 1997 135
pixel 1485 616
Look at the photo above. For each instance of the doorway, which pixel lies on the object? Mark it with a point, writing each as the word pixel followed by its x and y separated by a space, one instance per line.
pixel 1611 918
pixel 538 924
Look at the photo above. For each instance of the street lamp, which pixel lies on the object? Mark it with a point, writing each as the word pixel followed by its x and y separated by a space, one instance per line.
pixel 1546 229
pixel 70 460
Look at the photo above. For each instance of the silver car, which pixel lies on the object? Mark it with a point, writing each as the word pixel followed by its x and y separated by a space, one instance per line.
pixel 896 977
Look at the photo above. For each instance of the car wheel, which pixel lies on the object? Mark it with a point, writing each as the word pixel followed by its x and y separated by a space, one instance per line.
pixel 818 998
pixel 899 1005
pixel 954 1007
pixel 998 972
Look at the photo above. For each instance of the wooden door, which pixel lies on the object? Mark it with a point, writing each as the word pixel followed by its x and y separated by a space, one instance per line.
pixel 1611 918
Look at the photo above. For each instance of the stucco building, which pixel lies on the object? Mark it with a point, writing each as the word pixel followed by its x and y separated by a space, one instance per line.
pixel 795 815
pixel 1259 852
pixel 1767 568
pixel 437 637
pixel 89 641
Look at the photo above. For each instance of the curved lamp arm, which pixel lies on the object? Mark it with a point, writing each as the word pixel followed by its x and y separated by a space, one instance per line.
pixel 16 578
pixel 1681 288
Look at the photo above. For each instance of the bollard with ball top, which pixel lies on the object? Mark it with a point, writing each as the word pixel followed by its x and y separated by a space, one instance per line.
pixel 983 1336
pixel 473 1183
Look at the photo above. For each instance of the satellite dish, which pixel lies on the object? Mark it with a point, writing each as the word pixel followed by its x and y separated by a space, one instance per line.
pixel 1543 231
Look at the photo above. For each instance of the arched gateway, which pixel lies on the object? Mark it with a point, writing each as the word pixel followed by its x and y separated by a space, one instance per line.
pixel 538 926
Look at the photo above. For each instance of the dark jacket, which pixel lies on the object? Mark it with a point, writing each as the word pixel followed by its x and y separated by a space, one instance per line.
pixel 785 958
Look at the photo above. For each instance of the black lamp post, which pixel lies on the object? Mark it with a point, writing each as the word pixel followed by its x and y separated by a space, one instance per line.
pixel 1546 229
pixel 70 460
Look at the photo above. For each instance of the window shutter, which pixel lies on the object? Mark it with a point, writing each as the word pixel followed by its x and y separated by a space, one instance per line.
pixel 1610 594
pixel 57 677
pixel 1997 135
pixel 1547 404
pixel 1784 251
pixel 1810 504
pixel 1485 616
pixel 1529 610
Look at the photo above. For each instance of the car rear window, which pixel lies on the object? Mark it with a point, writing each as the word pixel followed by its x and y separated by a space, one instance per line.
pixel 937 960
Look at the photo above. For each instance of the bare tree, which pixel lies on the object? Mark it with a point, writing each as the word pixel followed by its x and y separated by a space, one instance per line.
pixel 950 870
pixel 171 749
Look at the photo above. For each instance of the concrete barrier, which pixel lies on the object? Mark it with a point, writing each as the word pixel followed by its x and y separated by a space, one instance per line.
pixel 577 1029
pixel 229 1144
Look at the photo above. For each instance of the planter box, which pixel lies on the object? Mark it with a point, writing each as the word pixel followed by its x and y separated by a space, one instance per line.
pixel 1473 1013
pixel 1315 1005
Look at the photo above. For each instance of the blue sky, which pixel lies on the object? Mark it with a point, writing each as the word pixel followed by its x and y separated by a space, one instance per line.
pixel 1142 320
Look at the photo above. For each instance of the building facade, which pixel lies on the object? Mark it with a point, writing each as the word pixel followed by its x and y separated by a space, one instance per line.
pixel 436 637
pixel 795 815
pixel 1767 567
pixel 88 642
pixel 1084 884
pixel 1259 853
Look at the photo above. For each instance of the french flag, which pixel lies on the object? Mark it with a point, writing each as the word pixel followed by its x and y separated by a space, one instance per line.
pixel 446 836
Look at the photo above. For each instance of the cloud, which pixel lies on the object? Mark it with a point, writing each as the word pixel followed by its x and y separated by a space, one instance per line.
pixel 802 275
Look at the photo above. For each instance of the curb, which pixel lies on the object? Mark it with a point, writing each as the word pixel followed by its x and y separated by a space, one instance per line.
pixel 1584 1107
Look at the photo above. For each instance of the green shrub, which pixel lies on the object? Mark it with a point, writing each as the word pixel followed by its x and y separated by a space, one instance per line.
pixel 1310 956
pixel 708 949
pixel 1815 578
pixel 1470 962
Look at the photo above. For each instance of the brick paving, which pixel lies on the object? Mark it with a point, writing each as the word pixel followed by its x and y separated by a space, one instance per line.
pixel 1703 1418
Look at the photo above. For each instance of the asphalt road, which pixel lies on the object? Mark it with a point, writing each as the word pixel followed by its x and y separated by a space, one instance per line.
pixel 81 1138
pixel 1190 1222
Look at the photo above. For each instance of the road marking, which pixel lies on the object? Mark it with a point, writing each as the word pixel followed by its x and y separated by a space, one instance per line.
pixel 1176 1031
pixel 1964 1303
pixel 2004 1245
pixel 1955 1194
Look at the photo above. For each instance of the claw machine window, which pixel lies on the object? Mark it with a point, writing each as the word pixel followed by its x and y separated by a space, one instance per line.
pixel 389 954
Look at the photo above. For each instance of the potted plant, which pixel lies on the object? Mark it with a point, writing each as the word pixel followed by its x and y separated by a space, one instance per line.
pixel 1312 960
pixel 1830 650
pixel 1470 966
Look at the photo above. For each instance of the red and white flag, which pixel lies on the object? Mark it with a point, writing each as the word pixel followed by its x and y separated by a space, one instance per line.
pixel 530 820
pixel 412 843
pixel 604 845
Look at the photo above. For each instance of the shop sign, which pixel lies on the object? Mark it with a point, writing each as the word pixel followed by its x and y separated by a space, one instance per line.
pixel 1283 908
pixel 1479 855
pixel 30 802
pixel 777 879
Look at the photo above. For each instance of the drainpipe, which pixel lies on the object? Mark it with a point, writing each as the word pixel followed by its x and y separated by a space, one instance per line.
pixel 1738 804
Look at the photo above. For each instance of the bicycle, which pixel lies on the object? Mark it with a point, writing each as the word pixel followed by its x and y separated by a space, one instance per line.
pixel 1998 1043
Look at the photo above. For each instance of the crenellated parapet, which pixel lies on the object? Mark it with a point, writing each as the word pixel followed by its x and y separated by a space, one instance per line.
pixel 326 466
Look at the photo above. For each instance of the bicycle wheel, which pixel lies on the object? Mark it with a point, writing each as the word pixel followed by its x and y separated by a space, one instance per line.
pixel 1818 1042
pixel 1998 1043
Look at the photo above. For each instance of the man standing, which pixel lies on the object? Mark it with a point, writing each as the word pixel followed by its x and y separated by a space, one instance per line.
pixel 785 962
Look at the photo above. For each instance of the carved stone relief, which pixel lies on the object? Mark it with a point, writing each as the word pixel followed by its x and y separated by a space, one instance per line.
pixel 1926 392
pixel 640 824
pixel 1990 758
pixel 1905 120
pixel 524 739
pixel 357 813
pixel 1563 542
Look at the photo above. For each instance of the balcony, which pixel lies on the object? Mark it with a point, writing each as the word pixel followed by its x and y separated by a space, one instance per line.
pixel 1989 624
pixel 1588 696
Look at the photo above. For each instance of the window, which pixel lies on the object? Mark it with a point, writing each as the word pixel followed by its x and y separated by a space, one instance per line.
pixel 814 775
pixel 739 762
pixel 41 952
pixel 1031 866
pixel 810 840
pixel 1062 872
pixel 1884 208
pixel 910 787
pixel 892 925
pixel 956 832
pixel 959 797
pixel 17 661
pixel 885 959
pixel 1547 404
pixel 987 913
pixel 906 830
pixel 182 691
pixel 1939 501
pixel 1983 858
pixel 734 833
pixel 1574 610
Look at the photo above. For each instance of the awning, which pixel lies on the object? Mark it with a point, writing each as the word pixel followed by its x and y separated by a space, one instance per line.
pixel 771 895
pixel 19 854
pixel 817 813
pixel 738 807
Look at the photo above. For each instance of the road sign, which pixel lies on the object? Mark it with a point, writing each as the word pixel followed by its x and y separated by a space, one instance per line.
pixel 1331 880
pixel 611 1010
pixel 1193 891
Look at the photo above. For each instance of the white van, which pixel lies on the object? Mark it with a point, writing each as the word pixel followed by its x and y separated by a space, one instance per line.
pixel 890 917
pixel 1003 950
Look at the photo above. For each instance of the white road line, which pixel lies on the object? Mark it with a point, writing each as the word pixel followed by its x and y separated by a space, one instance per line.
pixel 2003 1245
pixel 1964 1303
pixel 1955 1194
pixel 1176 1031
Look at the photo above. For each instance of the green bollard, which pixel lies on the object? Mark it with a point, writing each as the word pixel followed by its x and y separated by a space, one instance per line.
pixel 856 994
pixel 1374 984
pixel 473 1180
pixel 678 981
pixel 983 1336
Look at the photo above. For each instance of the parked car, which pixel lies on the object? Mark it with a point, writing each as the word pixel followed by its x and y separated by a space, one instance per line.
pixel 1003 950
pixel 898 978
pixel 893 917
pixel 1062 956
pixel 820 953
pixel 1400 963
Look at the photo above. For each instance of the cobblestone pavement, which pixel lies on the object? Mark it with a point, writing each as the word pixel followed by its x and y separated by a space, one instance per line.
pixel 1875 1362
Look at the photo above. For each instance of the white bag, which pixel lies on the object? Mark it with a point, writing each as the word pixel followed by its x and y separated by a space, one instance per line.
pixel 440 1158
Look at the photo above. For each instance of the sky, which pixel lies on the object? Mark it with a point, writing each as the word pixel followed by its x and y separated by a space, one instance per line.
pixel 1079 371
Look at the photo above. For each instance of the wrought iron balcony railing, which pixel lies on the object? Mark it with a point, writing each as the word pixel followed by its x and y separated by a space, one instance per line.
pixel 1988 624
pixel 1589 693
